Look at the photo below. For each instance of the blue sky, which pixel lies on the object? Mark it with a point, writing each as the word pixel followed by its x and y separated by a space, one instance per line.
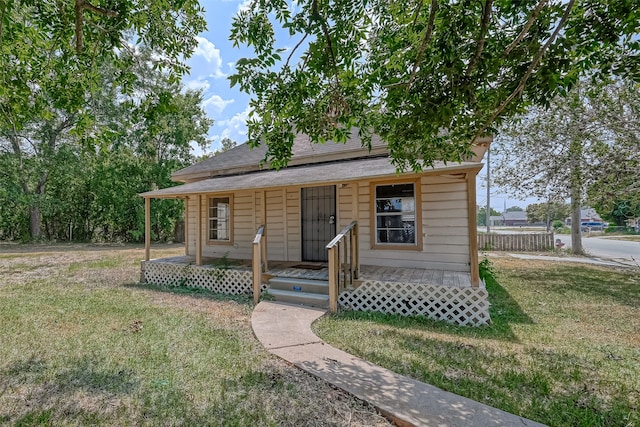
pixel 214 60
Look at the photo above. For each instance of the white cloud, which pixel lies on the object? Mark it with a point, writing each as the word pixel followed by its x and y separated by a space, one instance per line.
pixel 217 102
pixel 244 5
pixel 211 54
pixel 235 127
pixel 197 85
pixel 196 150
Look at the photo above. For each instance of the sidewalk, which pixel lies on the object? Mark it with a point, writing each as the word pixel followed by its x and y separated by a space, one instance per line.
pixel 285 330
pixel 580 260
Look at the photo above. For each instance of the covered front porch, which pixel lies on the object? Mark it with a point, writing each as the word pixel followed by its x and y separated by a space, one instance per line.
pixel 320 271
pixel 436 293
pixel 251 241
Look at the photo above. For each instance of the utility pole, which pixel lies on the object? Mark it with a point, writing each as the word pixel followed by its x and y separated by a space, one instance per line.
pixel 487 218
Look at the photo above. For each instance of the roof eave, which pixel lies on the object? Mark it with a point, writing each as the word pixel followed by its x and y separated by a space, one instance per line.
pixel 471 167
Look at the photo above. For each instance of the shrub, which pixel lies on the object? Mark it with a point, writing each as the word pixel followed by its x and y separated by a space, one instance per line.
pixel 486 268
pixel 612 229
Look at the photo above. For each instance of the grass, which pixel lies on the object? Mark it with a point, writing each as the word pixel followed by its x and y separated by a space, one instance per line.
pixel 82 344
pixel 107 262
pixel 563 349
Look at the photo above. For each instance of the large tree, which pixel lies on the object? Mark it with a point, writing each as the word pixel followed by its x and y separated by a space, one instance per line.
pixel 616 190
pixel 481 216
pixel 429 76
pixel 91 190
pixel 563 151
pixel 52 56
pixel 548 212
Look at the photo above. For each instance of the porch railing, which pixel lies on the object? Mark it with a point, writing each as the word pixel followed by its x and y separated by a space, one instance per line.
pixel 344 262
pixel 259 264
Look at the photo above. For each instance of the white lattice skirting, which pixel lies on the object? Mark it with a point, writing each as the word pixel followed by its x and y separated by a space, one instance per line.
pixel 462 306
pixel 218 280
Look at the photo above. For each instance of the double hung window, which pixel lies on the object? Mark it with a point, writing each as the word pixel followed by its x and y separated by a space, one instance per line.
pixel 219 219
pixel 395 214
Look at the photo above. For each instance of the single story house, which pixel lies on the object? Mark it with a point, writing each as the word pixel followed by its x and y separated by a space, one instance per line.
pixel 496 220
pixel 587 214
pixel 338 227
pixel 515 219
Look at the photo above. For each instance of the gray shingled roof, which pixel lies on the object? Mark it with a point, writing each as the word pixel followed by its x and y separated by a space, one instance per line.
pixel 244 159
pixel 334 172
pixel 515 216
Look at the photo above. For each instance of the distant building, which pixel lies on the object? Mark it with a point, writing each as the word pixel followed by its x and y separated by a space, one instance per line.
pixel 496 220
pixel 587 214
pixel 515 218
pixel 509 219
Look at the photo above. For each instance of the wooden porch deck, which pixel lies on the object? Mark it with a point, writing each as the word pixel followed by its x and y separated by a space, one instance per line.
pixel 320 271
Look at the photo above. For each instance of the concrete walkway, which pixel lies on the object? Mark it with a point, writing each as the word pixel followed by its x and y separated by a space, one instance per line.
pixel 580 260
pixel 285 330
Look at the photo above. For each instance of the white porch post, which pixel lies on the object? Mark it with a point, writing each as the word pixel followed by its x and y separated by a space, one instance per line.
pixel 199 231
pixel 186 225
pixel 147 228
pixel 473 229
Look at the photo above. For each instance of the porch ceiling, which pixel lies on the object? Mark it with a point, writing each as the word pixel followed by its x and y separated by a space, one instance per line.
pixel 335 172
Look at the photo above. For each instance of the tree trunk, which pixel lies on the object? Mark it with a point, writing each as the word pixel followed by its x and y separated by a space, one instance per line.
pixel 576 229
pixel 575 188
pixel 35 217
pixel 35 222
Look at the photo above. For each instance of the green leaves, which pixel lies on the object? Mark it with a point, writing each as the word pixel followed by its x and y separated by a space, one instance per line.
pixel 585 144
pixel 84 170
pixel 428 79
pixel 43 70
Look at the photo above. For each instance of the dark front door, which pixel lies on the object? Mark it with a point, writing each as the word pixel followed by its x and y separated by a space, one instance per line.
pixel 318 221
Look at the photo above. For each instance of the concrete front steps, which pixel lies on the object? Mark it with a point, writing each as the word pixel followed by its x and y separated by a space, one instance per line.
pixel 292 290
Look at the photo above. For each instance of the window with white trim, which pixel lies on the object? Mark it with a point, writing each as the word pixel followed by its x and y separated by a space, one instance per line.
pixel 219 219
pixel 395 211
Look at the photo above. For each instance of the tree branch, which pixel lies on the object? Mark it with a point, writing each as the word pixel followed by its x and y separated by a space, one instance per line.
pixel 15 145
pixel 526 28
pixel 523 81
pixel 327 36
pixel 425 41
pixel 484 25
pixel 286 64
pixel 416 14
pixel 99 10
pixel 4 10
pixel 79 25
pixel 80 7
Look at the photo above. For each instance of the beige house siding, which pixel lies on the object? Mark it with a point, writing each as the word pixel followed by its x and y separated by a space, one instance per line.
pixel 345 205
pixel 443 208
pixel 243 225
pixel 293 226
pixel 444 214
pixel 275 225
pixel 190 222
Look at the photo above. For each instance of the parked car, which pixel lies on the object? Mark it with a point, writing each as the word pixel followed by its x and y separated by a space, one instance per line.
pixel 592 226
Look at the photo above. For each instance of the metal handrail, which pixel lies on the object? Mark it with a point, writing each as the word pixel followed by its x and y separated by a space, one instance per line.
pixel 349 266
pixel 259 235
pixel 259 263
pixel 340 235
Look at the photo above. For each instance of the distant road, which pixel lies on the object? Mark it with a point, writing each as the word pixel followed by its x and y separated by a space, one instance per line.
pixel 603 247
pixel 623 251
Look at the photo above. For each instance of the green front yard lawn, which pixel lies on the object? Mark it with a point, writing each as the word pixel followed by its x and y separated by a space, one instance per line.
pixel 563 349
pixel 81 344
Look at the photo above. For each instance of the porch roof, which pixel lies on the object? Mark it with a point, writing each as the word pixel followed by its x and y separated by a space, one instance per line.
pixel 303 175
